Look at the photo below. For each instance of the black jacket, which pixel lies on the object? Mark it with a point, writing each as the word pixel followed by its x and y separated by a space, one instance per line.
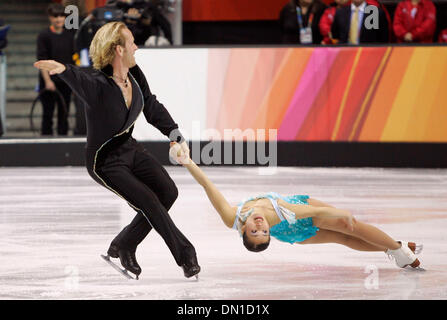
pixel 341 25
pixel 109 121
pixel 3 32
pixel 53 46
pixel 290 31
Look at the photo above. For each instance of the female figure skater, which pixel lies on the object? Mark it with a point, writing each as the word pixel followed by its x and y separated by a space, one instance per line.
pixel 297 219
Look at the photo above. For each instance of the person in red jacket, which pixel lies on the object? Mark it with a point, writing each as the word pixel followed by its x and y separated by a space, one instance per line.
pixel 443 36
pixel 327 19
pixel 415 21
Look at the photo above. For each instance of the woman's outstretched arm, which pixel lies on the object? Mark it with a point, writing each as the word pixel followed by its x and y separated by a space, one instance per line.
pixel 225 210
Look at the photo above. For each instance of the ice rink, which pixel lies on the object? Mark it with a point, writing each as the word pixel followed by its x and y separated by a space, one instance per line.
pixel 55 223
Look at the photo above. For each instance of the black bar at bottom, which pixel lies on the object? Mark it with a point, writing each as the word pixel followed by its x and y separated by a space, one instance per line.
pixel 229 309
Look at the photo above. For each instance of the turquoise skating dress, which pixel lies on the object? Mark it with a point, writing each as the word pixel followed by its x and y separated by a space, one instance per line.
pixel 288 230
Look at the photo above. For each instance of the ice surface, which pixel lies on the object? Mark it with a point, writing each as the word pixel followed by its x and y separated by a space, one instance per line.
pixel 55 223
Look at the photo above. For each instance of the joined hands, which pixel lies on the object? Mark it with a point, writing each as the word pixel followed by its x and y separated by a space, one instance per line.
pixel 180 152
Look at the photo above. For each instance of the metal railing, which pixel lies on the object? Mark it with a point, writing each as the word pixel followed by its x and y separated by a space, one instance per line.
pixel 175 17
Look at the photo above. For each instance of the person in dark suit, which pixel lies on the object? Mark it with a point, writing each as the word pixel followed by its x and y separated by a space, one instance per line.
pixel 3 43
pixel 299 20
pixel 3 31
pixel 55 42
pixel 349 24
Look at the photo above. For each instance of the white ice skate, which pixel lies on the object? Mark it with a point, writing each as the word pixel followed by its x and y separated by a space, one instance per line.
pixel 416 248
pixel 404 256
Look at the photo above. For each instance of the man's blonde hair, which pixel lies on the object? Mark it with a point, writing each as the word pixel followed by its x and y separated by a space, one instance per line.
pixel 102 48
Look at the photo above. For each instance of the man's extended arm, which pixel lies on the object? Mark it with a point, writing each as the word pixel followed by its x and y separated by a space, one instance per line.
pixel 81 83
pixel 155 113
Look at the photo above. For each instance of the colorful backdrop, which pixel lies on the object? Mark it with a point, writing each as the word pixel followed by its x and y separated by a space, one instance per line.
pixel 331 94
pixel 374 94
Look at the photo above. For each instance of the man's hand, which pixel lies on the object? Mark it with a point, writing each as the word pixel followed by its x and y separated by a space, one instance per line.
pixel 180 152
pixel 185 148
pixel 53 67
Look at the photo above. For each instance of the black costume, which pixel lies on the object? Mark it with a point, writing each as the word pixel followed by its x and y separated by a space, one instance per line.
pixel 117 161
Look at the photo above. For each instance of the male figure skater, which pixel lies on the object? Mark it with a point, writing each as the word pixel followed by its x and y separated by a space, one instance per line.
pixel 115 92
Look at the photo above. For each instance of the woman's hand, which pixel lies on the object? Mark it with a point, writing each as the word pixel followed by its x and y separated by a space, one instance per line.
pixel 180 152
pixel 53 67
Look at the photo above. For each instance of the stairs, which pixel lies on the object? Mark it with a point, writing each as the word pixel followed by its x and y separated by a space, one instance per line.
pixel 27 19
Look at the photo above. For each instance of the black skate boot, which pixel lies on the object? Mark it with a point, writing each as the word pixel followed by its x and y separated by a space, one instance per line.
pixel 113 251
pixel 127 258
pixel 191 267
pixel 129 261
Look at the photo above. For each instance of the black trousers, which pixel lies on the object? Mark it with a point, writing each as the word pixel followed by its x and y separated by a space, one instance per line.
pixel 49 100
pixel 131 172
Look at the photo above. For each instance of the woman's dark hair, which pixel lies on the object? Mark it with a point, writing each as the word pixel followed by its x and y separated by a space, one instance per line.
pixel 55 9
pixel 254 247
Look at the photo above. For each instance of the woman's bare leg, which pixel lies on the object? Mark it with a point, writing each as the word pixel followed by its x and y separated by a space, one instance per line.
pixel 364 231
pixel 328 236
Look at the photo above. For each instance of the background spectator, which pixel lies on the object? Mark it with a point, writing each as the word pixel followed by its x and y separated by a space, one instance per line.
pixel 80 128
pixel 415 21
pixel 144 19
pixel 327 19
pixel 153 24
pixel 387 15
pixel 3 43
pixel 3 31
pixel 55 43
pixel 349 25
pixel 299 21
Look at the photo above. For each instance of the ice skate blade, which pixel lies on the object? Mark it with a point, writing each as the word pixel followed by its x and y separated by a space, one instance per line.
pixel 414 266
pixel 410 269
pixel 416 248
pixel 415 263
pixel 419 269
pixel 117 268
pixel 194 278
